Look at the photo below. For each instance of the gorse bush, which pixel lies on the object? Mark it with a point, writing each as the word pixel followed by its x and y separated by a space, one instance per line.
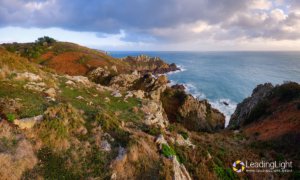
pixel 258 111
pixel 288 91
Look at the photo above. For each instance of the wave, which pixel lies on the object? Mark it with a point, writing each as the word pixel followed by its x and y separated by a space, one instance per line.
pixel 217 104
pixel 226 110
pixel 172 72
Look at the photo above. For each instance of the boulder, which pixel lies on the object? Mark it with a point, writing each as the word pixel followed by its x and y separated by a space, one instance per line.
pixel 51 92
pixel 33 87
pixel 184 142
pixel 138 94
pixel 69 82
pixel 28 123
pixel 161 140
pixel 106 146
pixel 114 68
pixel 124 81
pixel 79 97
pixel 116 94
pixel 28 76
pixel 98 73
pixel 156 118
pixel 122 154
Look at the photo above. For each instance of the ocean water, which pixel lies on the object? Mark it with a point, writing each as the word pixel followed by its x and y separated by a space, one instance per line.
pixel 227 76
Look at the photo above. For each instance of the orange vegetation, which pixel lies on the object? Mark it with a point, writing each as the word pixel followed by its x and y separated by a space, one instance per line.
pixel 68 63
pixel 286 119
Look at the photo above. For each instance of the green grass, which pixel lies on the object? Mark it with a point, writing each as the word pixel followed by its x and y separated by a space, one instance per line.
pixel 225 173
pixel 11 117
pixel 167 151
pixel 184 134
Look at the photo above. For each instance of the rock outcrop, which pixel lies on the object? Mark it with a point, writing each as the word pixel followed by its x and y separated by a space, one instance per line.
pixel 155 115
pixel 244 108
pixel 178 87
pixel 124 81
pixel 145 64
pixel 195 115
pixel 180 172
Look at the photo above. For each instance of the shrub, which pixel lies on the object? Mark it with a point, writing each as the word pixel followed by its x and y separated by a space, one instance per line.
pixel 289 91
pixel 225 173
pixel 11 117
pixel 262 153
pixel 10 49
pixel 184 134
pixel 259 110
pixel 298 105
pixel 295 175
pixel 167 151
pixel 279 157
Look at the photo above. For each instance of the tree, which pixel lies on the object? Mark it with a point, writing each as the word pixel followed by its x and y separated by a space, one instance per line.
pixel 46 39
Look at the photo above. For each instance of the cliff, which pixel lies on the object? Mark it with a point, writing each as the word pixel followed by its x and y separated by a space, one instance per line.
pixel 132 126
pixel 244 108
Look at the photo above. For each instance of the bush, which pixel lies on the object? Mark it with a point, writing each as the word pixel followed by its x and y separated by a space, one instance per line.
pixel 259 110
pixel 225 173
pixel 184 134
pixel 298 105
pixel 289 91
pixel 11 117
pixel 279 157
pixel 46 39
pixel 11 49
pixel 262 153
pixel 167 151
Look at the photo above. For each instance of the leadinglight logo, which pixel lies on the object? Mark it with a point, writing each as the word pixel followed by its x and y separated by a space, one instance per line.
pixel 262 166
pixel 238 166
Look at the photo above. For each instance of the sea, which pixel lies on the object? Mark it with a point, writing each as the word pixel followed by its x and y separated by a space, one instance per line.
pixel 226 76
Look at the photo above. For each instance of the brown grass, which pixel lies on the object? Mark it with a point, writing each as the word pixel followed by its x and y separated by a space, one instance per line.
pixel 18 157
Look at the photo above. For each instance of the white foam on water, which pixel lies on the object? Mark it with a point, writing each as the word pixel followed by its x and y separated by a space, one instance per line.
pixel 190 88
pixel 226 110
pixel 217 104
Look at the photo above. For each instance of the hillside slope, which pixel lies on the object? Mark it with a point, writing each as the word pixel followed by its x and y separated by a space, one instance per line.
pixel 57 126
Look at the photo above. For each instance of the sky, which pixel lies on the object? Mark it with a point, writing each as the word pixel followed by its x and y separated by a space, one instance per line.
pixel 156 25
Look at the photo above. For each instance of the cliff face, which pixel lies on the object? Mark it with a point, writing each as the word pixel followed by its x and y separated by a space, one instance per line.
pixel 195 115
pixel 244 108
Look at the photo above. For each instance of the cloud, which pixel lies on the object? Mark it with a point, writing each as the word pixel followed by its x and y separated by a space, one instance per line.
pixel 156 21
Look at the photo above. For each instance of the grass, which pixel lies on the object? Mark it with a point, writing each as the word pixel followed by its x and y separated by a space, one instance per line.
pixel 11 117
pixel 185 135
pixel 167 151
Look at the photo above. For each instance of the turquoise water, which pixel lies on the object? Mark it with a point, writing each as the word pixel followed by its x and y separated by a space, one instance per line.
pixel 227 76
